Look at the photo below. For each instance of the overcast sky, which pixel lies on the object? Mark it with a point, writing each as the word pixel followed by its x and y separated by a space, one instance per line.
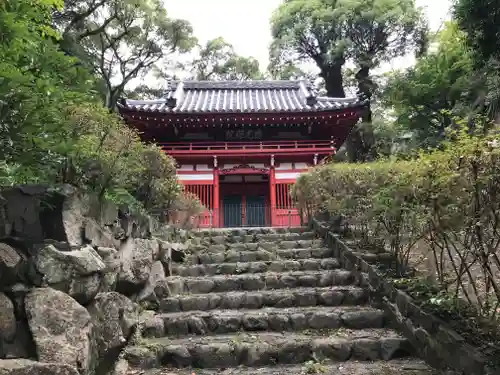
pixel 245 23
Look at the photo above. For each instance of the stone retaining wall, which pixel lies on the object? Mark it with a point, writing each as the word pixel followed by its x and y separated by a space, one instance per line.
pixel 75 276
pixel 435 342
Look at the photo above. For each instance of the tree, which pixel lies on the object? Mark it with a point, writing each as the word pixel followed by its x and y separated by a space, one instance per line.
pixel 426 97
pixel 331 32
pixel 304 31
pixel 37 81
pixel 121 39
pixel 480 19
pixel 217 60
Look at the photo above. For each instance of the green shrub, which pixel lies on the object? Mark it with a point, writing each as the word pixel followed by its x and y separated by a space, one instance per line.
pixel 447 200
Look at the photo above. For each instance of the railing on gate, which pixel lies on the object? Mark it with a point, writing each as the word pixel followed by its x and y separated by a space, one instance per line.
pixel 235 216
pixel 240 215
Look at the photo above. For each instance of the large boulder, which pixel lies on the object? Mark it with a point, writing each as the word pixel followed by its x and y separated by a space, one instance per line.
pixel 99 235
pixel 15 336
pixel 156 275
pixel 111 259
pixel 62 329
pixel 78 273
pixel 7 319
pixel 11 264
pixel 136 259
pixel 29 367
pixel 37 212
pixel 114 318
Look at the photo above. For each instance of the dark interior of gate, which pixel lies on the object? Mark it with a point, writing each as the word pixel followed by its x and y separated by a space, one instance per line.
pixel 245 201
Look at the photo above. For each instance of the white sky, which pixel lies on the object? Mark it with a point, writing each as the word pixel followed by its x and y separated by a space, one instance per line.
pixel 245 23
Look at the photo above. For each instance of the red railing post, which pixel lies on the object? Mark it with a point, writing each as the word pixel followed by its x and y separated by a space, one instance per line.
pixel 272 195
pixel 216 219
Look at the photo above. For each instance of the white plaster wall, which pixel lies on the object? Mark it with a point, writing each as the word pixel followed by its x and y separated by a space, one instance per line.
pixel 287 175
pixel 203 167
pixel 186 167
pixel 284 166
pixel 196 177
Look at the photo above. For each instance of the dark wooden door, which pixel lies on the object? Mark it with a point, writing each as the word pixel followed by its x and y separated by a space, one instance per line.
pixel 233 211
pixel 255 211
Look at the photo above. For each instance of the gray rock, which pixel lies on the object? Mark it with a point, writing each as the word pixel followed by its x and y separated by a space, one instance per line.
pixel 179 355
pixel 61 329
pixel 29 367
pixel 114 317
pixel 121 367
pixel 7 319
pixel 112 262
pixel 98 235
pixel 363 319
pixel 63 208
pixel 216 248
pixel 328 348
pixel 78 272
pixel 156 276
pixel 136 258
pixel 366 349
pixel 219 240
pixel 11 262
pixel 151 324
pixel 390 346
pixel 141 357
pixel 324 320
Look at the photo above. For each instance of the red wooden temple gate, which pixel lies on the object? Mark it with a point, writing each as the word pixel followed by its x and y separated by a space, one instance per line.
pixel 241 145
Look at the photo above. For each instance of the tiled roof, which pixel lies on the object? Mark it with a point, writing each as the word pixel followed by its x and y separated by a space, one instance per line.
pixel 240 96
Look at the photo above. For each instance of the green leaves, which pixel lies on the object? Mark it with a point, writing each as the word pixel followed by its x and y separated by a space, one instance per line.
pixel 122 39
pixel 427 96
pixel 329 33
pixel 217 60
pixel 53 131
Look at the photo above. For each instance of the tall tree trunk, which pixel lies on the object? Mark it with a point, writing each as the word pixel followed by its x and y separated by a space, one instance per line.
pixel 361 141
pixel 332 74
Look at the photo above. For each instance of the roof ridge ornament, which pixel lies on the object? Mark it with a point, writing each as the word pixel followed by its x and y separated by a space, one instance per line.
pixel 174 96
pixel 311 99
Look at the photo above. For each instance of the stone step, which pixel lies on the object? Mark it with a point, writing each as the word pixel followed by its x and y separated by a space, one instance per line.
pixel 255 267
pixel 330 296
pixel 407 366
pixel 223 246
pixel 265 319
pixel 238 232
pixel 258 255
pixel 268 348
pixel 256 281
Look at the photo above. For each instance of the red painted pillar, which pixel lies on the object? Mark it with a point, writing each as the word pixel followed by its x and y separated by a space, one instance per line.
pixel 272 195
pixel 215 217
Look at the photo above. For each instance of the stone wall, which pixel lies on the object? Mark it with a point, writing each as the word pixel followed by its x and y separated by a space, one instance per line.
pixel 434 340
pixel 75 276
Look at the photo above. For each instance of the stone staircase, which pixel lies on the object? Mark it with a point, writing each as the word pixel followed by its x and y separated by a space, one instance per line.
pixel 268 301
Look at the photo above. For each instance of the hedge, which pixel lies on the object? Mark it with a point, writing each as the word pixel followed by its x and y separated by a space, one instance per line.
pixel 446 200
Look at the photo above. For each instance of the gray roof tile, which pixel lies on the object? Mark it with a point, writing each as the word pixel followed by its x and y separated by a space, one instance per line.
pixel 240 97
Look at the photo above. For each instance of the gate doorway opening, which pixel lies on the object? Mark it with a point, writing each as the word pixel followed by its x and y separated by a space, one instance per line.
pixel 244 201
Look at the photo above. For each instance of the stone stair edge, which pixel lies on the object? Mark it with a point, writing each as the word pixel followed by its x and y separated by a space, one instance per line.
pixel 238 268
pixel 411 366
pixel 267 349
pixel 306 296
pixel 256 281
pixel 252 320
